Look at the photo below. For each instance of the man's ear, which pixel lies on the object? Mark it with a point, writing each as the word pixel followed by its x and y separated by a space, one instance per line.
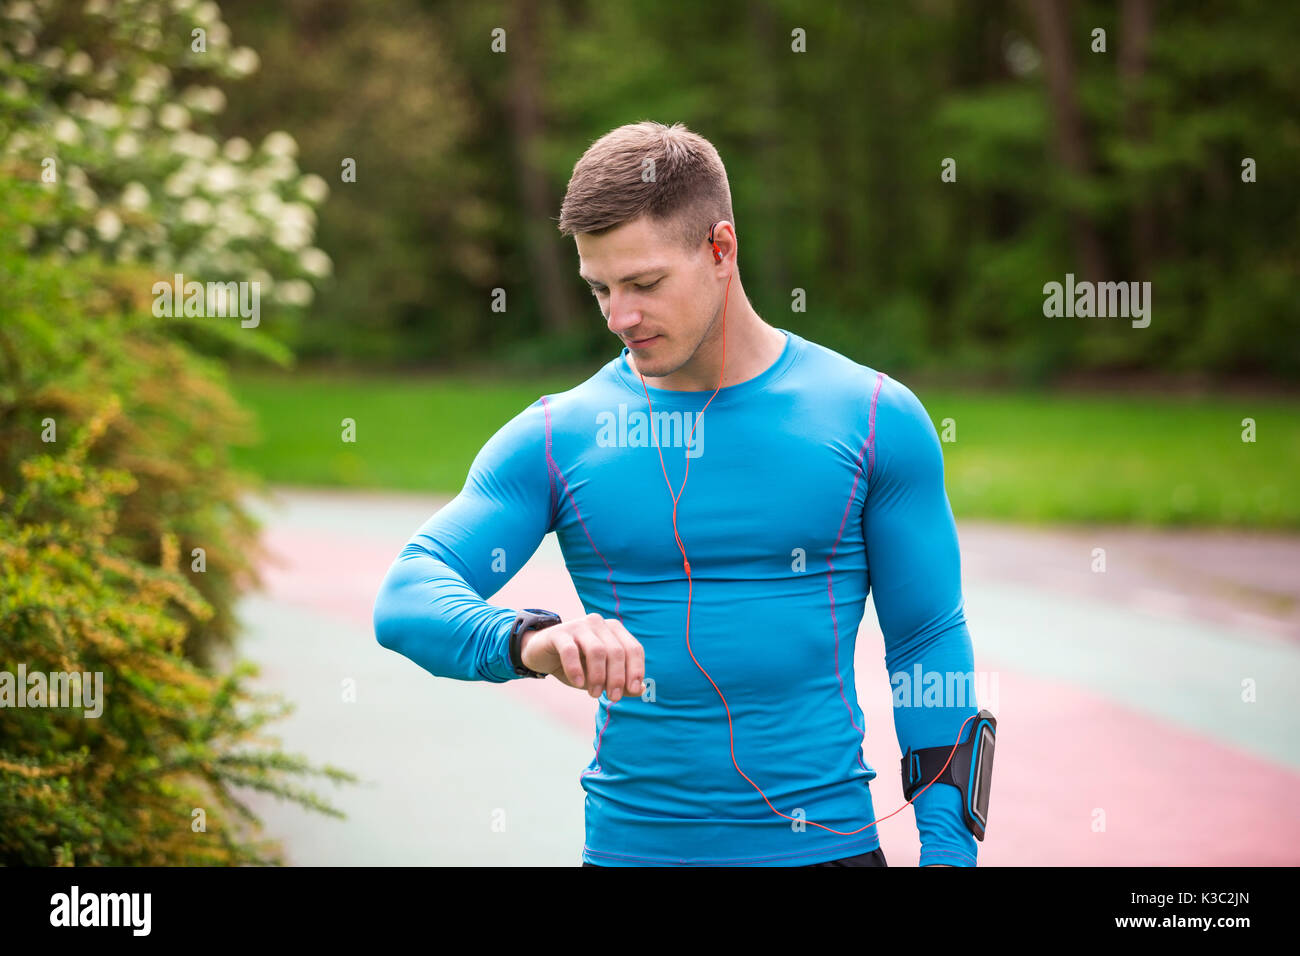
pixel 722 235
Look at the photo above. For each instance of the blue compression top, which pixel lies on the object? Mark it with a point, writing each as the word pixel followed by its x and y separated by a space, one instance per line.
pixel 811 484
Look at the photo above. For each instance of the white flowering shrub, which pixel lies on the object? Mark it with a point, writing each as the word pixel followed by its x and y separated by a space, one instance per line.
pixel 109 104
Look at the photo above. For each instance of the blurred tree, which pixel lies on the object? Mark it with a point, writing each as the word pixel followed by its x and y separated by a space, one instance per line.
pixel 1123 164
pixel 415 226
pixel 551 274
pixel 108 106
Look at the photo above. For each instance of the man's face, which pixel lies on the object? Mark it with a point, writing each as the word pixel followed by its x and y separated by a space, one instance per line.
pixel 660 299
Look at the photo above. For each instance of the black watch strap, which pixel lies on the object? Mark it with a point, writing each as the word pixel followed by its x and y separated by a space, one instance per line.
pixel 529 619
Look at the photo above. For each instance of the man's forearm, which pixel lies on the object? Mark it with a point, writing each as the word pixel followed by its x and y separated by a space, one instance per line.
pixel 921 722
pixel 429 613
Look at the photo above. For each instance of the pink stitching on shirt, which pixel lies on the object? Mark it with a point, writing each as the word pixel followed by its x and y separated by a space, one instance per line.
pixel 550 475
pixel 869 444
pixel 871 437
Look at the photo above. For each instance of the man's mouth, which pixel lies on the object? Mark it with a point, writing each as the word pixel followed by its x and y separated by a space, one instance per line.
pixel 641 343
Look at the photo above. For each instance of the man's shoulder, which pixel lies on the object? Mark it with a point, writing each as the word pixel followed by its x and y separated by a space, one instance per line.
pixel 832 370
pixel 581 401
pixel 893 411
pixel 519 443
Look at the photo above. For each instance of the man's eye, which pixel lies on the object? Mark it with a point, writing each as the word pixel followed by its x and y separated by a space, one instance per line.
pixel 603 291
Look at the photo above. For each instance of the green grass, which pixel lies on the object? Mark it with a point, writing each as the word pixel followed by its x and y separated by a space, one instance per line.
pixel 1132 459
pixel 1017 456
pixel 412 434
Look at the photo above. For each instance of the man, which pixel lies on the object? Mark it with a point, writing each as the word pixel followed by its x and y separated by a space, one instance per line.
pixel 722 614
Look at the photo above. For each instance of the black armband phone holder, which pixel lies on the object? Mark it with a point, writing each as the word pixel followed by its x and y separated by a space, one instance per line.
pixel 970 771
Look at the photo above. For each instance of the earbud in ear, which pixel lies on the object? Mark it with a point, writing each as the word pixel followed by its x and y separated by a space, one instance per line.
pixel 717 253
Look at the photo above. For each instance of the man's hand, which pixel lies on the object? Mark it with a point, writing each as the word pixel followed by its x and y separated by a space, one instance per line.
pixel 592 652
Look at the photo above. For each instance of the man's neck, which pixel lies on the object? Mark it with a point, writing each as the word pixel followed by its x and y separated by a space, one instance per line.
pixel 753 347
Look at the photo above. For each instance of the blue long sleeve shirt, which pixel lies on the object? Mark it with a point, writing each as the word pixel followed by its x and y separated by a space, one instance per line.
pixel 810 485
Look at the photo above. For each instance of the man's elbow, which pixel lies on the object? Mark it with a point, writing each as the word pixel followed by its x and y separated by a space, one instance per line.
pixel 385 631
pixel 387 617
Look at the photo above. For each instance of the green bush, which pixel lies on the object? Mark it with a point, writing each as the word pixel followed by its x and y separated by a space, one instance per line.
pixel 114 467
pixel 72 334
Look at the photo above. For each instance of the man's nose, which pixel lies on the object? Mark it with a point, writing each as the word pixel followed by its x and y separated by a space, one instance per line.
pixel 621 317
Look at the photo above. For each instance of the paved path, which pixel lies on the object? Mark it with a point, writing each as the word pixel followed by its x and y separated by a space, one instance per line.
pixel 1124 738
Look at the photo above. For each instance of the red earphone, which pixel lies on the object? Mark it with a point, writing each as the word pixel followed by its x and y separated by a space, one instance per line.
pixel 717 253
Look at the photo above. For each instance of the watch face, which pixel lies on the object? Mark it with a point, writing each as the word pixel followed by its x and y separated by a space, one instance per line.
pixel 532 619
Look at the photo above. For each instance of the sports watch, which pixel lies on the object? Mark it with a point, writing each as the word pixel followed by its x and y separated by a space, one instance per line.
pixel 529 619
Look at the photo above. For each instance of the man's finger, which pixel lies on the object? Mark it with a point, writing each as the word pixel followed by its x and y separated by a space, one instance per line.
pixel 634 662
pixel 570 657
pixel 592 646
pixel 615 658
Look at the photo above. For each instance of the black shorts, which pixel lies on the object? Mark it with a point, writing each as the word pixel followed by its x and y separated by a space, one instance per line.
pixel 875 858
